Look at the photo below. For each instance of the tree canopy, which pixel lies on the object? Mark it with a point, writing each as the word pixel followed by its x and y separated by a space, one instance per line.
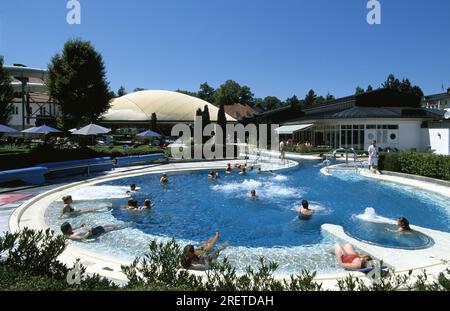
pixel 6 94
pixel 77 81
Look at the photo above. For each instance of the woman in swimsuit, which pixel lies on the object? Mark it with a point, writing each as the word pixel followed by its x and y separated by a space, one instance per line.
pixel 348 258
pixel 197 259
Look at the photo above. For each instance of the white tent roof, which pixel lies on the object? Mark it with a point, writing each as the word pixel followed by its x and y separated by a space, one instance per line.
pixel 92 129
pixel 168 106
pixel 291 129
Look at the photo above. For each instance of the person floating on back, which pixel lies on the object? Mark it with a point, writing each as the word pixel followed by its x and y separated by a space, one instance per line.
pixel 69 210
pixel 83 232
pixel 199 259
pixel 305 212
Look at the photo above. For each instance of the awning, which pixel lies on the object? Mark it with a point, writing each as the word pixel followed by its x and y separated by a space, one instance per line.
pixel 291 129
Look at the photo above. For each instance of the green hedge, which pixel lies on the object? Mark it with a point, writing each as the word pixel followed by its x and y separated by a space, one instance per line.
pixel 422 164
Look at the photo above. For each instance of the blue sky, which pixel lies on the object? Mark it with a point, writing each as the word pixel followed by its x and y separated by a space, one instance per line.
pixel 277 47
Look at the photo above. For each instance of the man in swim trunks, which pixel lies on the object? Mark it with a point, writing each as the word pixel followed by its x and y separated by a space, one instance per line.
pixel 164 180
pixel 348 258
pixel 83 233
pixel 69 210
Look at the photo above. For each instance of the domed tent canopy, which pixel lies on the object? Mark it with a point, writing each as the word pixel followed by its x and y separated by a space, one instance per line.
pixel 170 107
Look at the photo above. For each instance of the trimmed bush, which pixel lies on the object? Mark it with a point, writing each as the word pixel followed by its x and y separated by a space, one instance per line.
pixel 422 164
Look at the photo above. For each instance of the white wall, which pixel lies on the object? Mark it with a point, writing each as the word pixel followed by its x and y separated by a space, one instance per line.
pixel 16 119
pixel 410 137
pixel 440 140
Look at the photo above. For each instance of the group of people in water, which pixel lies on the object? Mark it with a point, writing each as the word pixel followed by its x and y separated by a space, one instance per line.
pixel 200 258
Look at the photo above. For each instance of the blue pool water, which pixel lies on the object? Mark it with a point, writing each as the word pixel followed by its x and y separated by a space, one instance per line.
pixel 192 208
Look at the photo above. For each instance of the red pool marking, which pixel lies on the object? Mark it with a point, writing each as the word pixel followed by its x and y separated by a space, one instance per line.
pixel 10 198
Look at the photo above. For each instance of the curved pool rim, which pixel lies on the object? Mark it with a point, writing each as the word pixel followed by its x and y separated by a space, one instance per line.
pixel 35 208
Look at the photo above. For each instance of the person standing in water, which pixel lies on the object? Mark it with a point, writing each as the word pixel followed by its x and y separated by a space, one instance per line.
pixel 373 156
pixel 305 212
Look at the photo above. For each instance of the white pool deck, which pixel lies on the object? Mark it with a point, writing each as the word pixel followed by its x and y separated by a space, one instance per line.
pixel 433 259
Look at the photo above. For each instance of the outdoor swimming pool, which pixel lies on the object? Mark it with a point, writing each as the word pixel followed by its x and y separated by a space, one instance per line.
pixel 192 208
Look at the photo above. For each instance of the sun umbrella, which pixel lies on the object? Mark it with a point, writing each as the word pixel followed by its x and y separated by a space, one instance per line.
pixel 6 129
pixel 148 134
pixel 92 129
pixel 44 129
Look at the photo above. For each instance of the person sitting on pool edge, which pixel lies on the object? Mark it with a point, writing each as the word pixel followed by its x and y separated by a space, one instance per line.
pixel 228 171
pixel 197 259
pixel 83 233
pixel 348 258
pixel 403 225
pixel 305 212
pixel 164 179
pixel 69 210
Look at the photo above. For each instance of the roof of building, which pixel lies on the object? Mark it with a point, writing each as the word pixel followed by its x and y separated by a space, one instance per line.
pixel 168 106
pixel 239 111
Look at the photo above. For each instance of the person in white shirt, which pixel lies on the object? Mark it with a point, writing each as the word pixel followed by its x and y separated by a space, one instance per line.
pixel 373 156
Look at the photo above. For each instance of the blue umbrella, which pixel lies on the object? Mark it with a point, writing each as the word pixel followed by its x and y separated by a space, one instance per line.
pixel 6 129
pixel 148 134
pixel 44 129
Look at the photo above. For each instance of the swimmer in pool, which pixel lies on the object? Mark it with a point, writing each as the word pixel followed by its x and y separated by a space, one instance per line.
pixel 148 204
pixel 132 189
pixel 305 212
pixel 253 194
pixel 213 175
pixel 228 171
pixel 403 225
pixel 198 259
pixel 243 170
pixel 83 233
pixel 69 210
pixel 348 258
pixel 164 179
pixel 132 205
pixel 259 171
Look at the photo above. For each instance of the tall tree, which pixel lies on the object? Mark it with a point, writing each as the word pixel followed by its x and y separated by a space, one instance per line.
pixel 206 119
pixel 121 91
pixel 329 97
pixel 228 93
pixel 221 117
pixel 206 92
pixel 310 98
pixel 293 101
pixel 271 103
pixel 359 90
pixel 246 97
pixel 6 94
pixel 154 122
pixel 391 83
pixel 369 88
pixel 77 81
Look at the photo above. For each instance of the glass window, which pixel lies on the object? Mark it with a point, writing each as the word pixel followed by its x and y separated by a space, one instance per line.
pixel 393 127
pixel 371 127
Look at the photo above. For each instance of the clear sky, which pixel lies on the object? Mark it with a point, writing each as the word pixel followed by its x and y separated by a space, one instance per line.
pixel 277 47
